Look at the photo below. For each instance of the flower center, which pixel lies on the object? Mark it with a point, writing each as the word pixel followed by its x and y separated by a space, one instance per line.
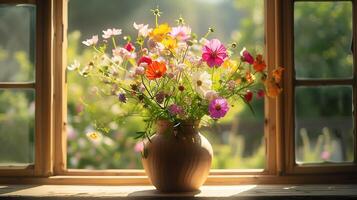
pixel 214 54
pixel 199 83
pixel 157 72
pixel 218 107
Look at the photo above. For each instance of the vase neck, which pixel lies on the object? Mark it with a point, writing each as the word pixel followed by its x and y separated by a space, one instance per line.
pixel 181 127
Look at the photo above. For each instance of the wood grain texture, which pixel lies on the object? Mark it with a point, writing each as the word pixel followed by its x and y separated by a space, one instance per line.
pixel 44 95
pixel 60 87
pixel 207 192
pixel 177 159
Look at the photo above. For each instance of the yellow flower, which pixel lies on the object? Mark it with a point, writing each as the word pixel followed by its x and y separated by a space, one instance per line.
pixel 170 43
pixel 160 32
pixel 228 63
pixel 94 136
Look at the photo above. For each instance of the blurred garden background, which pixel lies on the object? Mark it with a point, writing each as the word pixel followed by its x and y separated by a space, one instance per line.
pixel 324 122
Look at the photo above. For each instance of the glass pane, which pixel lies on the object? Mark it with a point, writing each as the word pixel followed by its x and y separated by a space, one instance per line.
pixel 237 140
pixel 324 124
pixel 17 113
pixel 323 39
pixel 17 43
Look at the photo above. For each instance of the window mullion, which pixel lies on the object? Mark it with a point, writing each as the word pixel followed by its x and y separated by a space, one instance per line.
pixel 43 115
pixel 354 51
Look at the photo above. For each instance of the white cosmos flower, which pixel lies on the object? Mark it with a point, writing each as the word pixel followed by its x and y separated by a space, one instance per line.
pixel 91 41
pixel 111 32
pixel 74 66
pixel 202 82
pixel 144 30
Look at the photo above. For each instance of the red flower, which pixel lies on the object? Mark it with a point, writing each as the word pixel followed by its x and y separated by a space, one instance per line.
pixel 130 47
pixel 145 59
pixel 248 96
pixel 259 64
pixel 155 70
pixel 260 93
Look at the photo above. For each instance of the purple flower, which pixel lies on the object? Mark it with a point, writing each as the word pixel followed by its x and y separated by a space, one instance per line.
pixel 160 97
pixel 218 108
pixel 246 56
pixel 175 109
pixel 214 53
pixel 122 97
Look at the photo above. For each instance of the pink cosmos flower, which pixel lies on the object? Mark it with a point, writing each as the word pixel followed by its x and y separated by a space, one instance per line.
pixel 111 32
pixel 181 32
pixel 139 147
pixel 246 56
pixel 123 53
pixel 92 41
pixel 214 53
pixel 218 108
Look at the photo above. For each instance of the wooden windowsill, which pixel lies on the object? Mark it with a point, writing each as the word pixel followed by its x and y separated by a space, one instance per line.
pixel 207 192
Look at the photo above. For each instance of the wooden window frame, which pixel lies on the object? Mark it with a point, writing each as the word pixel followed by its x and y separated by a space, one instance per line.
pixel 52 166
pixel 42 86
pixel 290 82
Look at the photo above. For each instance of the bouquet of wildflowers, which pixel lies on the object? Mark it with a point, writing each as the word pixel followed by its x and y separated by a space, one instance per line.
pixel 169 73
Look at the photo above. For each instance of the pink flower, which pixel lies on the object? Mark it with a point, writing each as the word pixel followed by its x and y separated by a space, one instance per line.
pixel 139 70
pixel 210 95
pixel 123 53
pixel 181 32
pixel 111 32
pixel 218 108
pixel 92 41
pixel 325 155
pixel 214 53
pixel 175 109
pixel 139 147
pixel 246 56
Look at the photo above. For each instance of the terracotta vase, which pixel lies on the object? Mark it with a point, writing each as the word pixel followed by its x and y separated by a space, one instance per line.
pixel 177 159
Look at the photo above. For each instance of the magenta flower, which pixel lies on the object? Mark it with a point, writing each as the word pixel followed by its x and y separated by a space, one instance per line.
pixel 218 108
pixel 246 56
pixel 214 53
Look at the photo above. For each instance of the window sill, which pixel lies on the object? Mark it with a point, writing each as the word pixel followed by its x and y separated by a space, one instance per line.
pixel 207 192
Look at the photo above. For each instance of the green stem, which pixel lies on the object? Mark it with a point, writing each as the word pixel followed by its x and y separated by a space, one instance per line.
pixel 114 43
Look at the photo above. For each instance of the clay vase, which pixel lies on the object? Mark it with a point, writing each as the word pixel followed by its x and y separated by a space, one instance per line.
pixel 178 158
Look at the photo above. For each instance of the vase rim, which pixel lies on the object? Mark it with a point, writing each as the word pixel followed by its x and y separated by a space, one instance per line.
pixel 182 122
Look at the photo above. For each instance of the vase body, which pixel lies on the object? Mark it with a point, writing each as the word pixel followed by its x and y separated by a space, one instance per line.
pixel 177 159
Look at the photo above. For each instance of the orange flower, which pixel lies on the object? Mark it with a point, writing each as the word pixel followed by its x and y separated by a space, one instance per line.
pixel 249 77
pixel 155 70
pixel 259 64
pixel 277 73
pixel 272 88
